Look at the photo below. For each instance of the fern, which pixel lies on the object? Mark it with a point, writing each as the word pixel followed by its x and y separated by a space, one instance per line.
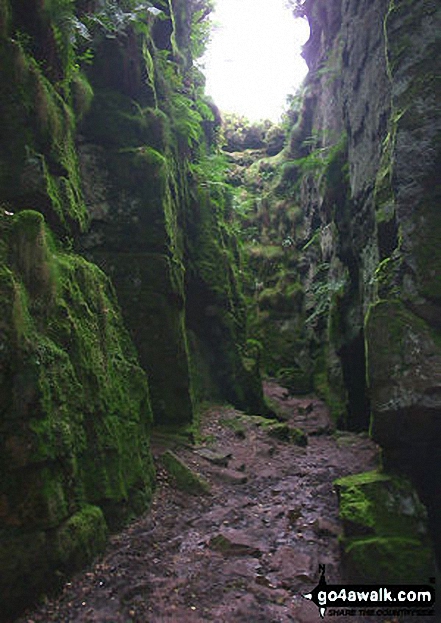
pixel 187 121
pixel 200 30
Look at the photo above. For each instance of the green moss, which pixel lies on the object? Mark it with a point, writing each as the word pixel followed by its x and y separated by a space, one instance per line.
pixel 77 411
pixel 155 308
pixel 390 560
pixel 79 539
pixel 379 503
pixel 401 19
pixel 33 497
pixel 282 431
pixel 296 380
pixel 32 254
pixel 148 159
pixel 331 391
pixel 336 169
pixel 185 478
pixel 385 528
pixel 171 435
pixel 65 192
pixel 141 166
pixel 82 95
pixel 274 428
pixel 216 305
pixel 150 66
pixel 186 121
pixel 281 298
pixel 387 324
pixel 39 159
pixel 77 368
pixel 115 120
pixel 53 119
pixel 387 277
pixel 236 425
pixel 31 223
pixel 365 478
pixel 21 320
pixel 383 193
pixel 265 252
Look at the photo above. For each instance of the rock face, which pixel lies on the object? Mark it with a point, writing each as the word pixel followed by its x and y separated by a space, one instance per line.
pixel 75 412
pixel 380 78
pixel 120 275
pixel 152 226
pixel 345 251
pixel 107 247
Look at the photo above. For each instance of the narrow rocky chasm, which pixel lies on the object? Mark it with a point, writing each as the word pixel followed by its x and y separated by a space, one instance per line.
pixel 245 549
pixel 157 257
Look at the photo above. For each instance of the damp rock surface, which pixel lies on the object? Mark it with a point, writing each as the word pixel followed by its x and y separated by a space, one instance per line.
pixel 248 551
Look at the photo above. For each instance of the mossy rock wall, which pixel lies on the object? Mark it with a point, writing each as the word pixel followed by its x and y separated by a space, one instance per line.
pixel 406 314
pixel 375 213
pixel 361 164
pixel 362 161
pixel 76 412
pixel 154 233
pixel 103 121
pixel 134 238
pixel 216 310
pixel 37 139
pixel 353 199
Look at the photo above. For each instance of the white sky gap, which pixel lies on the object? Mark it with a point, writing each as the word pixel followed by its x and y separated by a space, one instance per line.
pixel 253 61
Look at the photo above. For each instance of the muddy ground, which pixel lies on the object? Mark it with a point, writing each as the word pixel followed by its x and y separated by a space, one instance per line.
pixel 247 550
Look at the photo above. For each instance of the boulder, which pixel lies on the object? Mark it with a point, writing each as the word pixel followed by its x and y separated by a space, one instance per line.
pixel 385 530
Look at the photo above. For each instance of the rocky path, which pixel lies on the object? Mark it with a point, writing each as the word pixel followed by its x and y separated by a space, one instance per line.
pixel 244 551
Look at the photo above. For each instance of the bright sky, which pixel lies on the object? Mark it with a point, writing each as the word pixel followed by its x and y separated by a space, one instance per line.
pixel 253 61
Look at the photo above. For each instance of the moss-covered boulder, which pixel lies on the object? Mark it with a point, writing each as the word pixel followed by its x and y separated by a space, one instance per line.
pixel 185 477
pixel 385 530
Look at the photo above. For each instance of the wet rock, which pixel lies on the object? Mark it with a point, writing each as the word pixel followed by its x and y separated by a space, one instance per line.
pixel 230 556
pixel 304 611
pixel 231 476
pixel 185 478
pixel 278 430
pixel 235 543
pixel 215 457
pixel 404 363
pixel 289 564
pixel 242 567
